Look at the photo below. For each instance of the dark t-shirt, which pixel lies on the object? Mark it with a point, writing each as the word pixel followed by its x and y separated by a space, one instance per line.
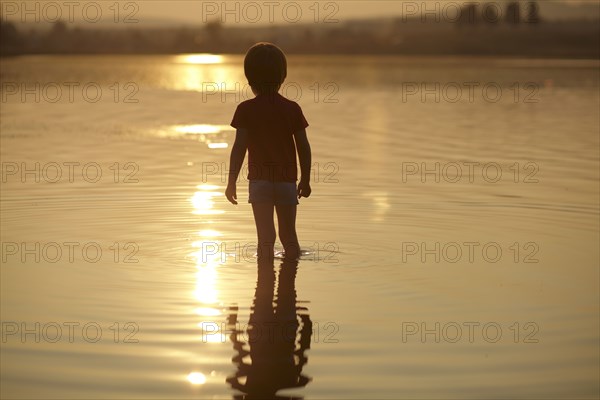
pixel 271 121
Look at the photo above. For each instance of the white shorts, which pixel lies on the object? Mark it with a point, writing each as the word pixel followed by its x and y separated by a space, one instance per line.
pixel 277 193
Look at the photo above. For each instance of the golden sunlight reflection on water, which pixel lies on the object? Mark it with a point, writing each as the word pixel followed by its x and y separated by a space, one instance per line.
pixel 206 73
pixel 196 378
pixel 200 129
pixel 213 135
pixel 185 298
pixel 204 204
pixel 206 250
pixel 201 58
pixel 208 260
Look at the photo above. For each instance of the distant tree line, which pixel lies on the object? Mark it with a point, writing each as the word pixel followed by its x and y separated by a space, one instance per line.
pixel 488 13
pixel 580 39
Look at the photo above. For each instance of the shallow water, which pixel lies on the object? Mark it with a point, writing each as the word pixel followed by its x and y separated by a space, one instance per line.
pixel 475 280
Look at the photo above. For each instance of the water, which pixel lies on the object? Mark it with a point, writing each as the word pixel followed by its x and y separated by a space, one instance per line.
pixel 478 285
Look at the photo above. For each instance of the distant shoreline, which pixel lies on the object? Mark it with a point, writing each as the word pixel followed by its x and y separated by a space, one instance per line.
pixel 421 57
pixel 562 40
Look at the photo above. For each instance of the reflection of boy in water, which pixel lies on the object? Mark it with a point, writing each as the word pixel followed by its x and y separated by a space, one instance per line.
pixel 276 363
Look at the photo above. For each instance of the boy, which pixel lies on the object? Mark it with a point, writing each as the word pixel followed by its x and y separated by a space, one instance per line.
pixel 272 129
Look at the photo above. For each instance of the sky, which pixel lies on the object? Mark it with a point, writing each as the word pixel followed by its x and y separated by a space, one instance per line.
pixel 194 12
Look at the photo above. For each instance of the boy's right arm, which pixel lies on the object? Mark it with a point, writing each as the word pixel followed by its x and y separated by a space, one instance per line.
pixel 305 156
pixel 238 153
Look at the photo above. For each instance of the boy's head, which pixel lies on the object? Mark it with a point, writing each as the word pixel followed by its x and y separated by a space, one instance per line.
pixel 265 68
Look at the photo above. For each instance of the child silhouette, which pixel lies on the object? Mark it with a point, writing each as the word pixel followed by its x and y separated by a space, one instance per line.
pixel 272 129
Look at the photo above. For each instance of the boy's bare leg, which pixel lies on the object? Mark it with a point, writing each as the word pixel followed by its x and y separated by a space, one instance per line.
pixel 265 229
pixel 286 220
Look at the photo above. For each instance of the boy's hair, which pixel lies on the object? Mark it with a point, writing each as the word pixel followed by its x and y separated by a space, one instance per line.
pixel 265 67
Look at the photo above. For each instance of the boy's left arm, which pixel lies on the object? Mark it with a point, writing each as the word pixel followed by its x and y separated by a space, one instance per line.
pixel 236 159
pixel 305 157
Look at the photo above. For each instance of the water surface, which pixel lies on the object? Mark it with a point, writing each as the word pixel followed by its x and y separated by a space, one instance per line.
pixel 401 292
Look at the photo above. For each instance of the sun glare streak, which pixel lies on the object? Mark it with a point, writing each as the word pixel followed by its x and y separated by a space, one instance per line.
pixel 213 135
pixel 209 233
pixel 381 205
pixel 203 203
pixel 207 312
pixel 206 186
pixel 209 257
pixel 206 285
pixel 205 73
pixel 199 59
pixel 201 129
pixel 196 378
pixel 213 334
